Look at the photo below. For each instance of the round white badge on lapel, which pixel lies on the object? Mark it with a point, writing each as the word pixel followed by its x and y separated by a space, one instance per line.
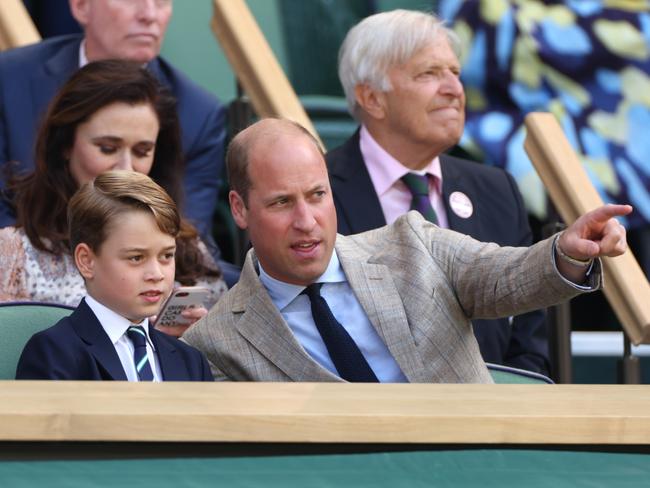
pixel 461 204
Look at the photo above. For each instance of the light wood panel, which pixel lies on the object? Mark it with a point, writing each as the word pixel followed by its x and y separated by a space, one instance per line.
pixel 319 412
pixel 254 63
pixel 16 26
pixel 572 193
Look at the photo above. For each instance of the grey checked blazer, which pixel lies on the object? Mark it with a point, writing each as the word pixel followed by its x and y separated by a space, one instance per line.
pixel 420 286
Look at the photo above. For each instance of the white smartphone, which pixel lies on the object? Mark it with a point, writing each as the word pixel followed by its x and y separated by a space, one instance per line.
pixel 181 299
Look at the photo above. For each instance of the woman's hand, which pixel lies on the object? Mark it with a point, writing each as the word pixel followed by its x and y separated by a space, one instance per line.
pixel 190 315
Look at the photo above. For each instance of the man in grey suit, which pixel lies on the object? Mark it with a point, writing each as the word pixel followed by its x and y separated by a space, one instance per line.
pixel 393 304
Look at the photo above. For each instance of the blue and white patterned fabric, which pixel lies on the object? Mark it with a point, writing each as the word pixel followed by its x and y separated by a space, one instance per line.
pixel 585 61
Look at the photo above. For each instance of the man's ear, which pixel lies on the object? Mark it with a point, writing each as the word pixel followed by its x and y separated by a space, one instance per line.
pixel 80 10
pixel 84 259
pixel 238 209
pixel 372 101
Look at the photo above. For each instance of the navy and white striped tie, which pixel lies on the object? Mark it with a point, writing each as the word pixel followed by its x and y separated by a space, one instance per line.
pixel 139 339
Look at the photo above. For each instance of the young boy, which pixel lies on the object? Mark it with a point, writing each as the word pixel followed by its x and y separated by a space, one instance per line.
pixel 123 230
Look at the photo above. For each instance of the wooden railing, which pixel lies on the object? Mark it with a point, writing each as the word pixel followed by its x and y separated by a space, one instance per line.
pixel 16 26
pixel 323 413
pixel 254 63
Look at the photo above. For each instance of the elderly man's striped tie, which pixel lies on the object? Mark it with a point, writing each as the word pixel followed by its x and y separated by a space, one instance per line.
pixel 418 185
pixel 139 338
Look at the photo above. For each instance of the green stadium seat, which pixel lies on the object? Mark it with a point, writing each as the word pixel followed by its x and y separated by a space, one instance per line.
pixel 18 322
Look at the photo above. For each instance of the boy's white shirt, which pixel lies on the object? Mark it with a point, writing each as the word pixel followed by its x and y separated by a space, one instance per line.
pixel 115 327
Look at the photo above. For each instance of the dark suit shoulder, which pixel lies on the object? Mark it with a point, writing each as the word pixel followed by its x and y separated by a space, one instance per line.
pixel 357 205
pixel 39 52
pixel 184 89
pixel 338 159
pixel 193 365
pixel 475 170
pixel 53 353
pixel 333 156
pixel 60 330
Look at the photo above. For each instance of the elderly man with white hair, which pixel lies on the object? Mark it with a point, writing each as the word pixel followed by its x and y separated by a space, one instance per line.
pixel 400 73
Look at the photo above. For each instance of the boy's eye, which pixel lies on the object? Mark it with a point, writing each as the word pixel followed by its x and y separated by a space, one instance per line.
pixel 168 256
pixel 135 259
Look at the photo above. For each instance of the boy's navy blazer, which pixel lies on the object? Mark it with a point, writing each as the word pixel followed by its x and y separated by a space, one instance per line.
pixel 30 77
pixel 78 348
pixel 499 216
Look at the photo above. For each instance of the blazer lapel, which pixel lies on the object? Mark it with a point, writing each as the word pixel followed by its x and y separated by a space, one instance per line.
pixel 452 181
pixel 357 204
pixel 86 325
pixel 374 288
pixel 262 325
pixel 171 364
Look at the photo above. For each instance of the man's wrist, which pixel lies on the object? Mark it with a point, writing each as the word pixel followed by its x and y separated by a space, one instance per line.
pixel 578 276
pixel 581 263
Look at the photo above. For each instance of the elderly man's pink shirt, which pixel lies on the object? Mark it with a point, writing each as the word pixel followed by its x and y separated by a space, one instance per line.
pixel 385 173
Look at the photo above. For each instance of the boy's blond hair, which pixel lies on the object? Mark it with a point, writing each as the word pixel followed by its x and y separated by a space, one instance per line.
pixel 97 204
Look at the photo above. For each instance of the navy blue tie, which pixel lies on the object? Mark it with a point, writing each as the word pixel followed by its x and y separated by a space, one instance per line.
pixel 345 354
pixel 418 185
pixel 139 339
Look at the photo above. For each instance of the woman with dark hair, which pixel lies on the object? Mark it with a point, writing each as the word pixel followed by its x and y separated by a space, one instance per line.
pixel 109 115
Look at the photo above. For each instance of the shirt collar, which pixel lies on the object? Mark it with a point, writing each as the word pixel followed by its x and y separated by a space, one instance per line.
pixel 385 170
pixel 282 294
pixel 83 60
pixel 114 324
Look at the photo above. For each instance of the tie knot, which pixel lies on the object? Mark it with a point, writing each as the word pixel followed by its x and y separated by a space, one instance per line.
pixel 137 335
pixel 312 291
pixel 417 184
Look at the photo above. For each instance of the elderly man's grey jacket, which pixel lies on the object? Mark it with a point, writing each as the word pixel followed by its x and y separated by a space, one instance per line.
pixel 420 287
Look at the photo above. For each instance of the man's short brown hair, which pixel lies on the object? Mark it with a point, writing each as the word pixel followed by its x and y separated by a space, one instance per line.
pixel 239 150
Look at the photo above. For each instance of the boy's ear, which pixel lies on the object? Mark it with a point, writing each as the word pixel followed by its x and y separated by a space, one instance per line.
pixel 84 259
pixel 238 209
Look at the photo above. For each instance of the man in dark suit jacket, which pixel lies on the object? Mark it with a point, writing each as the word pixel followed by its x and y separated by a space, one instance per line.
pixel 123 230
pixel 31 75
pixel 411 111
pixel 78 348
